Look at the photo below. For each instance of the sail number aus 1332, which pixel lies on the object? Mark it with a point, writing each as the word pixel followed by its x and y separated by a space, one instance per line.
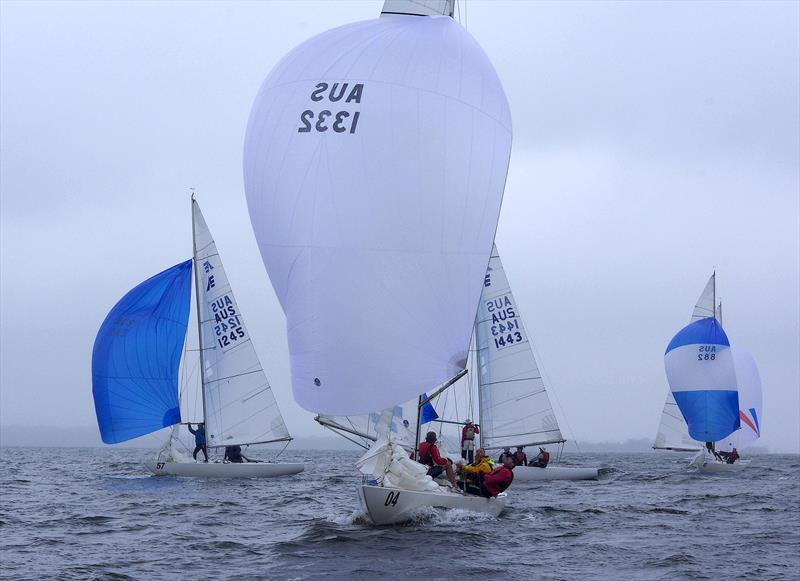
pixel 336 121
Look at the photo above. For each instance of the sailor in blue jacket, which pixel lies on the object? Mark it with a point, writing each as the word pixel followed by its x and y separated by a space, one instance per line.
pixel 199 440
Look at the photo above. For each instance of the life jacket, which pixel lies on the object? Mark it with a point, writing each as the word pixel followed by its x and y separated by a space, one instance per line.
pixel 426 453
pixel 545 459
pixel 519 458
pixel 500 479
pixel 469 433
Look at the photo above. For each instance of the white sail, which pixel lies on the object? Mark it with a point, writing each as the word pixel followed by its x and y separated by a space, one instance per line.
pixel 365 426
pixel 419 7
pixel 704 307
pixel 514 406
pixel 240 407
pixel 374 165
pixel 750 402
pixel 673 433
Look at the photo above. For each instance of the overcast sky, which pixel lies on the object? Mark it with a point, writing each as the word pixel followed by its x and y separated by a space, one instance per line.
pixel 652 143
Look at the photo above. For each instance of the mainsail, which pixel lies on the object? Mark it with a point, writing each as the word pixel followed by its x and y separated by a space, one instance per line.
pixel 239 405
pixel 673 433
pixel 374 164
pixel 514 407
pixel 136 357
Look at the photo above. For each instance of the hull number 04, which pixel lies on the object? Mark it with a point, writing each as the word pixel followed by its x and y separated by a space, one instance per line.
pixel 391 499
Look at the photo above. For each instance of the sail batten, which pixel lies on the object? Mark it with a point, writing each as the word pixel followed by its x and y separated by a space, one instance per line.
pixel 514 404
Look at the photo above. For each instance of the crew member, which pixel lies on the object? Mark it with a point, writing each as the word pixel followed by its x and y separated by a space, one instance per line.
pixel 199 440
pixel 499 479
pixel 234 454
pixel 733 456
pixel 468 441
pixel 429 455
pixel 473 473
pixel 506 452
pixel 542 460
pixel 520 458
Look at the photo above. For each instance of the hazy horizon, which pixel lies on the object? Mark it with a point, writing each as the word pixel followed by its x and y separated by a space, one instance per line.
pixel 653 142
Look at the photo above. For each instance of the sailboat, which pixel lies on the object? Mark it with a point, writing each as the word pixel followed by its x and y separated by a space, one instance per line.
pixel 375 160
pixel 714 385
pixel 515 409
pixel 513 405
pixel 136 360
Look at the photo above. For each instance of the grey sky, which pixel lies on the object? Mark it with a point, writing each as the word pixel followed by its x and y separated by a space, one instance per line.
pixel 652 142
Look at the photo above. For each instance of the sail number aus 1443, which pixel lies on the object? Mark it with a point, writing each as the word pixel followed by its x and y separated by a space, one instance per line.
pixel 504 324
pixel 337 121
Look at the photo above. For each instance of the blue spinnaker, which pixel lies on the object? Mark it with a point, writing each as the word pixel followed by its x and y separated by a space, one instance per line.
pixel 136 357
pixel 702 378
pixel 428 413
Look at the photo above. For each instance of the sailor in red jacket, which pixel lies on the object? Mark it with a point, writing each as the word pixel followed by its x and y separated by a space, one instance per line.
pixel 499 479
pixel 429 455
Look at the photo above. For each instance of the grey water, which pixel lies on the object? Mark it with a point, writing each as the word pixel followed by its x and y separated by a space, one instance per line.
pixel 91 513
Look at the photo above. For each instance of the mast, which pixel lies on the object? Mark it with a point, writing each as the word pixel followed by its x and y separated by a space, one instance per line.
pixel 199 318
pixel 419 426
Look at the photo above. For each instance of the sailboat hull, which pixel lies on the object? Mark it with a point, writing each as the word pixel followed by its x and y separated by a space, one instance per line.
pixel 533 473
pixel 224 469
pixel 707 464
pixel 386 505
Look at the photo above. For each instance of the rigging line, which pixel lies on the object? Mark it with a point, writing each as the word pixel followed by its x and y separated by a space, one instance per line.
pixel 546 380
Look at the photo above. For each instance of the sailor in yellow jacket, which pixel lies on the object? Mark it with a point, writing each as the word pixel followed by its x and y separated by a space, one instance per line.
pixel 473 473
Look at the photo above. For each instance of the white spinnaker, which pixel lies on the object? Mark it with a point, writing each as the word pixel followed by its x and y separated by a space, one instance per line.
pixel 374 165
pixel 750 402
pixel 515 408
pixel 240 407
pixel 673 433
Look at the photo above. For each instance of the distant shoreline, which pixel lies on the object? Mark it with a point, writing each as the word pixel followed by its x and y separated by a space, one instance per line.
pixel 88 437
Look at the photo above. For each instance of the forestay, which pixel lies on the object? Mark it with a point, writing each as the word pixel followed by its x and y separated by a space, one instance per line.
pixel 374 165
pixel 136 357
pixel 240 407
pixel 701 376
pixel 750 402
pixel 515 408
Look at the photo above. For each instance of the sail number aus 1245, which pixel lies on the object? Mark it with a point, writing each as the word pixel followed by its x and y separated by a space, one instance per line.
pixel 336 121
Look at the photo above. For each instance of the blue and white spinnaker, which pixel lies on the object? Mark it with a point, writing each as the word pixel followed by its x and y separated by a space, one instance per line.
pixel 702 378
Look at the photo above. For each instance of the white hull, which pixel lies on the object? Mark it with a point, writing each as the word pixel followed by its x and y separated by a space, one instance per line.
pixel 386 505
pixel 710 465
pixel 224 469
pixel 531 473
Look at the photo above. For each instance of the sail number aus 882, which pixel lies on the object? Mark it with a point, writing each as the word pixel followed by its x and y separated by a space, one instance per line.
pixel 707 353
